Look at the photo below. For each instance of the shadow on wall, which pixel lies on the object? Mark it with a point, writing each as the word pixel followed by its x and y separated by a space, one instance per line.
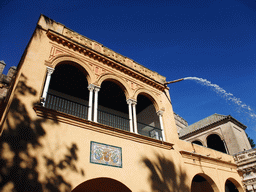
pixel 19 145
pixel 164 176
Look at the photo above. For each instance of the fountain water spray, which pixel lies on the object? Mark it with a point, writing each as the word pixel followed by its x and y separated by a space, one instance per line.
pixel 224 94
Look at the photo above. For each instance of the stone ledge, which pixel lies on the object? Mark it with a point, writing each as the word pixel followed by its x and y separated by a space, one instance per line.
pixel 205 158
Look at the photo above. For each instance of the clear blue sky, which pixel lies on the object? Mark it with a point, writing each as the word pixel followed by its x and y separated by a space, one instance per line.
pixel 214 40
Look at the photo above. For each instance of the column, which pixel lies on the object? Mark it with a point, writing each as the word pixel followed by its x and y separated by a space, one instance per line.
pixel 129 102
pixel 46 85
pixel 160 114
pixel 95 115
pixel 134 117
pixel 90 88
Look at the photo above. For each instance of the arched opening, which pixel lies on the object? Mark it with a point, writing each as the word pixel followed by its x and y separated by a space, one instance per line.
pixel 147 119
pixel 232 186
pixel 68 90
pixel 203 184
pixel 214 142
pixel 101 185
pixel 113 108
pixel 197 142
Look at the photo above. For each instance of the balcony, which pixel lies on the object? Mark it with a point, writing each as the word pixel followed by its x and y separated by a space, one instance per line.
pixel 67 91
pixel 74 106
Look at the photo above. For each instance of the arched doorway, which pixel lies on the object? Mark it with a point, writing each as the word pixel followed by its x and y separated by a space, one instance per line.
pixel 68 90
pixel 147 118
pixel 197 142
pixel 203 183
pixel 214 142
pixel 113 108
pixel 101 185
pixel 232 185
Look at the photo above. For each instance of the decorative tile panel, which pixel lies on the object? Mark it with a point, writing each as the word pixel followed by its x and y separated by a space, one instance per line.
pixel 106 154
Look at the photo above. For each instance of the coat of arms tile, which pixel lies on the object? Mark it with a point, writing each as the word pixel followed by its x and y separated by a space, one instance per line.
pixel 106 154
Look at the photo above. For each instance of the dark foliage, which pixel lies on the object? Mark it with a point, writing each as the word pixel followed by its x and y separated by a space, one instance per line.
pixel 164 176
pixel 251 142
pixel 20 140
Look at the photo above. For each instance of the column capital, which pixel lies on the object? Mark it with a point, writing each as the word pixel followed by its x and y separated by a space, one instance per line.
pixel 96 88
pixel 160 113
pixel 49 70
pixel 131 101
pixel 91 87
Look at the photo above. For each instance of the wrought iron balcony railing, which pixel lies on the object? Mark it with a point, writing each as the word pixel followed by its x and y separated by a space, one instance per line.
pixel 113 120
pixel 68 106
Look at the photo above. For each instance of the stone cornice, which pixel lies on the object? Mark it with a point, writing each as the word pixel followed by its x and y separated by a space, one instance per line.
pixel 98 127
pixel 189 154
pixel 108 57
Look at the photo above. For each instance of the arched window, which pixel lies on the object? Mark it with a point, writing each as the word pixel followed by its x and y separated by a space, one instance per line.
pixel 197 142
pixel 214 142
pixel 113 108
pixel 147 118
pixel 68 90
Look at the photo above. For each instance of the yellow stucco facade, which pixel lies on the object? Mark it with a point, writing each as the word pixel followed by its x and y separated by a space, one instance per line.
pixel 49 149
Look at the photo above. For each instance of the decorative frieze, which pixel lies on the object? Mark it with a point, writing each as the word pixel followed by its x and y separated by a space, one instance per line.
pixel 245 156
pixel 250 181
pixel 95 46
pixel 139 72
pixel 246 162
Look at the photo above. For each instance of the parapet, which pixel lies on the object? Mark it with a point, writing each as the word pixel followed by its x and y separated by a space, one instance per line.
pixel 51 25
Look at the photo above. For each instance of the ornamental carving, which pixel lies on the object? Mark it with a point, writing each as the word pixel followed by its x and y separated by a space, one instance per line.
pixel 132 85
pixel 99 71
pixel 54 52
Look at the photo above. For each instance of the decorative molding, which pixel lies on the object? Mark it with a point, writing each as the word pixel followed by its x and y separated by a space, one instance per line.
pixel 108 57
pixel 105 129
pixel 53 53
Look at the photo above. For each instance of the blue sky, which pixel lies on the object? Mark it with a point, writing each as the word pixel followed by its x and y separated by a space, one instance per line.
pixel 213 40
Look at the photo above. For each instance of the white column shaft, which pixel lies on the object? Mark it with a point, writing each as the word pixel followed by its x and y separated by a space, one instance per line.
pixel 90 104
pixel 134 118
pixel 47 83
pixel 162 126
pixel 95 115
pixel 130 116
